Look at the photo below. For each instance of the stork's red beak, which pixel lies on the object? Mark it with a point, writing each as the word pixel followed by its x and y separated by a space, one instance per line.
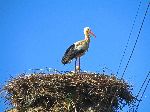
pixel 92 34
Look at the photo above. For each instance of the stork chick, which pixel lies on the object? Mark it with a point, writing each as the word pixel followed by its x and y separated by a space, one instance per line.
pixel 78 49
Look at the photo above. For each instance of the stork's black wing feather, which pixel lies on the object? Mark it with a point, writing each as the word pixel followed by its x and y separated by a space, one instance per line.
pixel 68 54
pixel 70 49
pixel 71 53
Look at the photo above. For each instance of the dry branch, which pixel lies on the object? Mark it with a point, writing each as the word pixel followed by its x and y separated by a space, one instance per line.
pixel 84 92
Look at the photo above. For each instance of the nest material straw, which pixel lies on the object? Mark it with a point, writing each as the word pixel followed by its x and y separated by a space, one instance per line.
pixel 82 92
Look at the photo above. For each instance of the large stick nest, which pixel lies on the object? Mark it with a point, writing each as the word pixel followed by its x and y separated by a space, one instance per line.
pixel 83 92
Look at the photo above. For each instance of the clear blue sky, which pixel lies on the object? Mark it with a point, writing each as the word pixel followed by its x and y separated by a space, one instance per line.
pixel 36 33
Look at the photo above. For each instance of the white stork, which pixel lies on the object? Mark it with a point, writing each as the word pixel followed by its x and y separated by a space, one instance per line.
pixel 78 49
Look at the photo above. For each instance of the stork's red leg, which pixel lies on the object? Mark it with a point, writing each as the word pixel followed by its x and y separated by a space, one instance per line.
pixel 79 64
pixel 75 65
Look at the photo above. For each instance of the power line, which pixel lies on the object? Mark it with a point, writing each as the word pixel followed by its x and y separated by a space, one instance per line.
pixel 132 51
pixel 132 108
pixel 143 84
pixel 142 95
pixel 136 40
pixel 132 54
pixel 126 46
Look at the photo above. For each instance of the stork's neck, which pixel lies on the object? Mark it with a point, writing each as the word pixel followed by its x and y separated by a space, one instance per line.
pixel 87 38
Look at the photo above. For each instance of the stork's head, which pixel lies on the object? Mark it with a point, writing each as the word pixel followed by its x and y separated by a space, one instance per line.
pixel 87 31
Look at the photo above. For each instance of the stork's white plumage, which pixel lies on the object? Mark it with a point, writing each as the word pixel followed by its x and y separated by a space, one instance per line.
pixel 78 49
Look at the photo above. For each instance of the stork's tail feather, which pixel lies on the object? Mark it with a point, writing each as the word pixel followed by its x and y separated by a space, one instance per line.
pixel 69 54
pixel 65 60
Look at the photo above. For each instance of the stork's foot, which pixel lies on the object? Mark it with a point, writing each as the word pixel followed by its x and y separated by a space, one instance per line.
pixel 77 69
